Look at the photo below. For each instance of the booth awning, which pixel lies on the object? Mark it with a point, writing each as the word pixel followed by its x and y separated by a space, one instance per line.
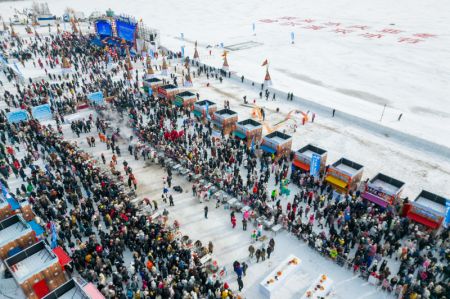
pixel 375 199
pixel 198 113
pixel 239 134
pixel 63 257
pixel 301 165
pixel 92 291
pixel 422 220
pixel 36 227
pixel 268 149
pixel 13 203
pixel 336 181
pixel 179 103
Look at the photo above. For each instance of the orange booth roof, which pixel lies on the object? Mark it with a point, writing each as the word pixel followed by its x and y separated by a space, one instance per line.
pixel 301 165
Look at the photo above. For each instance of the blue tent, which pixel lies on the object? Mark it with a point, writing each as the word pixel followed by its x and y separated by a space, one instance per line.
pixel 36 227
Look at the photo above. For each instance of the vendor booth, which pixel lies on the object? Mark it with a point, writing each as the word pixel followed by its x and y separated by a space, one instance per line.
pixel 36 270
pixel 277 143
pixel 383 190
pixel 344 175
pixel 248 130
pixel 203 107
pixel 15 235
pixel 185 99
pixel 152 83
pixel 168 91
pixel 428 209
pixel 225 121
pixel 302 158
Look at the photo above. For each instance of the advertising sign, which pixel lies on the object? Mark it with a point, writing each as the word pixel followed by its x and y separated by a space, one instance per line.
pixel 314 168
pixel 125 30
pixel 103 28
pixel 337 174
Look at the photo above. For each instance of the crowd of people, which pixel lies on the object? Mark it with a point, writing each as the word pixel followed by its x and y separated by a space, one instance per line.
pixel 97 223
pixel 88 203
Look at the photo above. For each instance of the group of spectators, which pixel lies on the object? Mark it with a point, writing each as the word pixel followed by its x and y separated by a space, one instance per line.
pixel 97 223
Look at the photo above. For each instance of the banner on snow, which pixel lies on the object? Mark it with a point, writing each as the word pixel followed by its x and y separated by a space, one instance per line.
pixel 42 112
pixel 96 98
pixel 17 116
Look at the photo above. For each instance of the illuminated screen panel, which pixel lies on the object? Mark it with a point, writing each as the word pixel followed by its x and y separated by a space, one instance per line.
pixel 103 28
pixel 126 30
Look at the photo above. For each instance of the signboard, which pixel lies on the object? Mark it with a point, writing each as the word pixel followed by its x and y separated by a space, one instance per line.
pixel 162 91
pixel 302 158
pixel 337 174
pixel 103 28
pixel 314 168
pixel 96 98
pixel 126 30
pixel 381 194
pixel 426 213
pixel 42 112
pixel 447 215
pixel 17 116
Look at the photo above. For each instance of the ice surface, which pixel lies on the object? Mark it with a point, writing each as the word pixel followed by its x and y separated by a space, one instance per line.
pixel 346 168
pixel 32 264
pixel 431 204
pixel 384 186
pixel 308 153
pixel 11 232
pixel 278 139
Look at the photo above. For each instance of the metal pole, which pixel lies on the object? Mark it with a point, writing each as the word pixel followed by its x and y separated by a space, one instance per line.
pixel 382 113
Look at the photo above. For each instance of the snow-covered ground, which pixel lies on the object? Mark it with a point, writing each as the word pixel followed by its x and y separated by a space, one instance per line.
pixel 354 56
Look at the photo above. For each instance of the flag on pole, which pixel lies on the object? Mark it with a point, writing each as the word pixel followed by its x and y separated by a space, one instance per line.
pixel 207 111
pixel 266 62
pixel 4 191
pixel 54 242
pixel 253 144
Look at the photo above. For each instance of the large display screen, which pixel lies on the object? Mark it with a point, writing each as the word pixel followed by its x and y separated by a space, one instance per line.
pixel 103 28
pixel 125 30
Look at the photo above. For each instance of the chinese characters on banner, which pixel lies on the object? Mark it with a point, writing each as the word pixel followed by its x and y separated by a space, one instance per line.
pixel 341 29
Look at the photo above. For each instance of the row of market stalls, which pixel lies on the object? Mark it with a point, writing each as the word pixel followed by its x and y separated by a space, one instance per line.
pixel 36 268
pixel 343 175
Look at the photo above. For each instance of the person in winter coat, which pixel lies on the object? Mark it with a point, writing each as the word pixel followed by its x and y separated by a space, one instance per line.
pixel 258 255
pixel 240 283
pixel 251 251
pixel 210 247
pixel 244 224
pixel 269 251
pixel 244 268
pixel 263 254
pixel 233 221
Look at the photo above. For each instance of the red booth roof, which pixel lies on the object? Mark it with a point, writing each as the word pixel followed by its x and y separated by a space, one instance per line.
pixel 63 257
pixel 423 220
